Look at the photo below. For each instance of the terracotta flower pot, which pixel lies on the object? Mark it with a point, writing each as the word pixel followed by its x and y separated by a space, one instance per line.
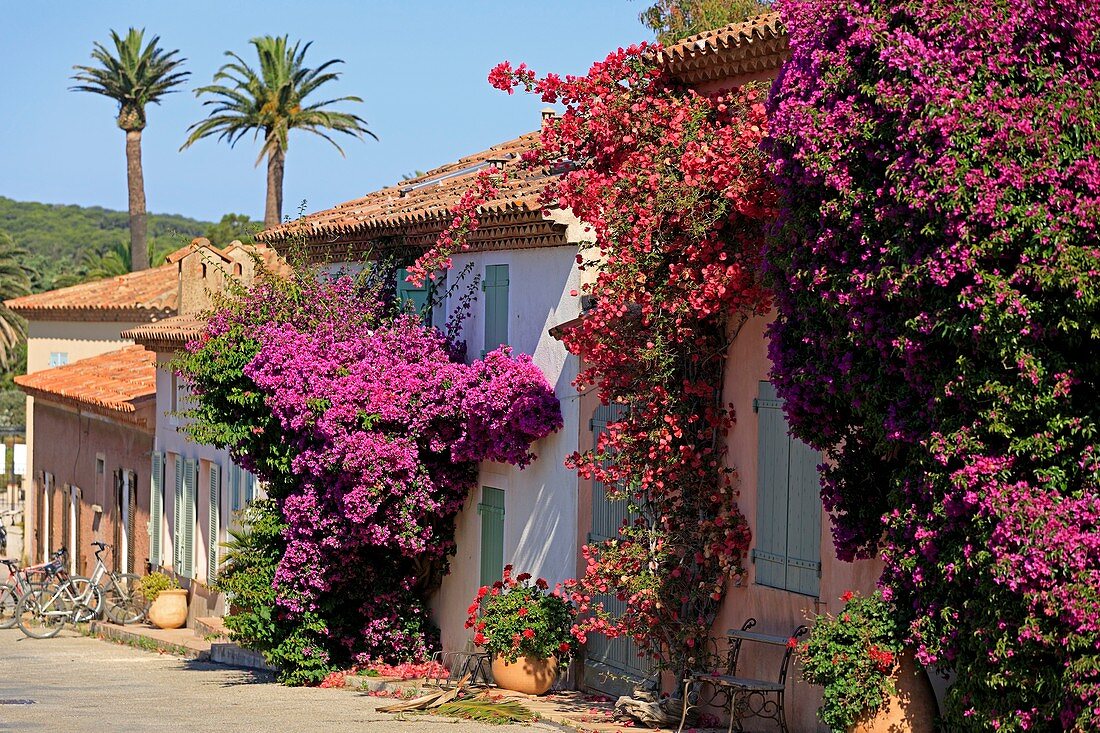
pixel 169 610
pixel 528 675
pixel 912 710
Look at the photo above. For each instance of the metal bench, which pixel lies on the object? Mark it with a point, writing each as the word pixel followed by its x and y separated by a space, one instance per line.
pixel 744 697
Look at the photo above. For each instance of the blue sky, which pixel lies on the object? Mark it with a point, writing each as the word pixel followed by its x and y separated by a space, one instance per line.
pixel 420 66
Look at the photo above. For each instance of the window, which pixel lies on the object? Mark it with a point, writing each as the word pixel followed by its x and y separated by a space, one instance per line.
pixel 58 358
pixel 491 510
pixel 495 286
pixel 788 510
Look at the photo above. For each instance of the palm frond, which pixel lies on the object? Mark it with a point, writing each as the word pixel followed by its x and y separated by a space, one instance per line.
pixel 486 710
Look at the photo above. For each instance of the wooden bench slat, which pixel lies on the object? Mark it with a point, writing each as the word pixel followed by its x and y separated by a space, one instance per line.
pixel 742 683
pixel 761 638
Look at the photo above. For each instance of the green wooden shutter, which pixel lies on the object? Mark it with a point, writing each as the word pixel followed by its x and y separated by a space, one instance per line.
pixel 495 286
pixel 249 487
pixel 491 510
pixel 419 297
pixel 156 508
pixel 190 471
pixel 234 487
pixel 215 507
pixel 773 453
pixel 177 518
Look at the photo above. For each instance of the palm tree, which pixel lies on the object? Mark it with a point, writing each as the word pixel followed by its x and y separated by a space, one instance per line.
pixel 134 77
pixel 271 101
pixel 116 260
pixel 15 281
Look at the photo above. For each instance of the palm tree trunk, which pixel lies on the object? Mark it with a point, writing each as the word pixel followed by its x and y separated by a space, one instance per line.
pixel 139 248
pixel 273 210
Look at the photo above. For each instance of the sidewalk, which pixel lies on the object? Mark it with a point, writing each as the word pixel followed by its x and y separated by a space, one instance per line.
pixel 208 642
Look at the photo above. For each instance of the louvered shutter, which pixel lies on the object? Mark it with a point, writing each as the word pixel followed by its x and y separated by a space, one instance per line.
pixel 491 510
pixel 39 517
pixel 235 488
pixel 190 471
pixel 117 523
pixel 177 518
pixel 495 286
pixel 67 525
pixel 131 521
pixel 215 507
pixel 156 508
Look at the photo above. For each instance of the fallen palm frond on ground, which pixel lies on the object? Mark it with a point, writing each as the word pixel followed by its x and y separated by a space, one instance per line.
pixel 483 708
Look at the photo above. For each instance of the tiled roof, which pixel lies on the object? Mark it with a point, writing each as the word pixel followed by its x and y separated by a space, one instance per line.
pixel 418 209
pixel 756 45
pixel 114 382
pixel 146 295
pixel 171 334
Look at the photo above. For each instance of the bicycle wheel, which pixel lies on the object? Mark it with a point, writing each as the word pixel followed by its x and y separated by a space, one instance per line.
pixel 123 603
pixel 41 614
pixel 86 602
pixel 8 602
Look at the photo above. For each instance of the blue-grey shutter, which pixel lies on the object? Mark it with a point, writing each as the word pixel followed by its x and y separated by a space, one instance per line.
pixel 177 519
pixel 788 542
pixel 495 286
pixel 234 487
pixel 804 521
pixel 773 463
pixel 156 509
pixel 249 487
pixel 190 474
pixel 491 510
pixel 419 297
pixel 215 508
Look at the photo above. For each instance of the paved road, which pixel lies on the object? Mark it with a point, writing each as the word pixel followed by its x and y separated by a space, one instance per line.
pixel 82 685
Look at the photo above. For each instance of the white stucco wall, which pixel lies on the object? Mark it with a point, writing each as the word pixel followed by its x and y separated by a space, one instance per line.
pixel 540 520
pixel 171 441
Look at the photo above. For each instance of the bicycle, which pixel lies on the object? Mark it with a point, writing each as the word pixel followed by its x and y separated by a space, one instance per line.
pixel 43 611
pixel 123 603
pixel 18 584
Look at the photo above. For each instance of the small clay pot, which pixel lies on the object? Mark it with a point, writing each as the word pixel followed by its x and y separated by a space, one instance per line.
pixel 169 610
pixel 912 710
pixel 528 675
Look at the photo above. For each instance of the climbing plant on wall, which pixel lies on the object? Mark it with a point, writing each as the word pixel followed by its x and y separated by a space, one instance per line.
pixel 937 277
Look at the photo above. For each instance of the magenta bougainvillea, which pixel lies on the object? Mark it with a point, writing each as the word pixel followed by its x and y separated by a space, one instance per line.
pixel 367 430
pixel 672 185
pixel 937 276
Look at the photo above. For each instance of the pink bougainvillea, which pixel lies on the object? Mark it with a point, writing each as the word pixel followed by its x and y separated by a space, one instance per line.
pixel 937 277
pixel 367 430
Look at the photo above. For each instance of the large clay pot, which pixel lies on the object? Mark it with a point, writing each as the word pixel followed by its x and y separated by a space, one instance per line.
pixel 528 675
pixel 912 710
pixel 169 610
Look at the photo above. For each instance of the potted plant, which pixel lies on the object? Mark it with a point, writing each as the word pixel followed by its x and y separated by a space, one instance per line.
pixel 526 628
pixel 168 602
pixel 872 682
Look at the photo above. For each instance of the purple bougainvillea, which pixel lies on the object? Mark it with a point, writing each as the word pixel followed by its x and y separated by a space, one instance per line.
pixel 937 278
pixel 367 429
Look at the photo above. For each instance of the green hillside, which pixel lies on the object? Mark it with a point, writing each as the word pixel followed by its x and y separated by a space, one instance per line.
pixel 58 235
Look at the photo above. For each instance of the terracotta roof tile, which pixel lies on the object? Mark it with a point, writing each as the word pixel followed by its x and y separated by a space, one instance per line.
pixel 137 296
pixel 171 334
pixel 114 381
pixel 755 45
pixel 426 201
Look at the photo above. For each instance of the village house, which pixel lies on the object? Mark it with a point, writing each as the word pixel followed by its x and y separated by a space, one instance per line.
pixel 792 571
pixel 65 326
pixel 521 263
pixel 196 490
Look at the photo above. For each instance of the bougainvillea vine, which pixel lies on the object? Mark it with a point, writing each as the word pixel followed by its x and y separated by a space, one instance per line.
pixel 367 430
pixel 937 276
pixel 672 184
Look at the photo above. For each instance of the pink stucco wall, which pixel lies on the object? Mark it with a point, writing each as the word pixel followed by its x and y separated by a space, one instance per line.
pixel 68 446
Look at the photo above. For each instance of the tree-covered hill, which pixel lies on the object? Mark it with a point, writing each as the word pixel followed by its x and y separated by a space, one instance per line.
pixel 58 236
